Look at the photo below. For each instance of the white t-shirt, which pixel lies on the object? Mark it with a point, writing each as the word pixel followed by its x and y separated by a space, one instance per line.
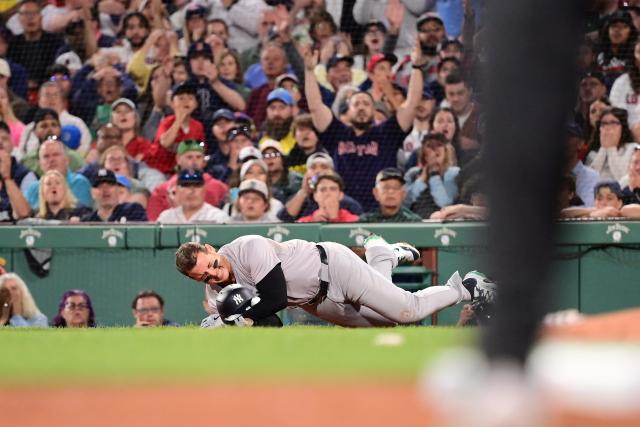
pixel 207 213
pixel 623 96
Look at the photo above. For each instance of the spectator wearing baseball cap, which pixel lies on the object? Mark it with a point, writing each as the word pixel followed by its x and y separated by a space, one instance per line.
pixel 218 149
pixel 213 91
pixel 380 76
pixel 284 182
pixel 175 128
pixel 307 143
pixel 190 202
pixel 125 117
pixel 190 156
pixel 238 138
pixel 338 72
pixel 431 33
pixel 376 40
pixel 390 194
pixel 432 185
pixel 253 203
pixel 106 202
pixel 291 84
pixel 617 39
pixel 591 88
pixel 302 203
pixel 277 124
pixel 253 169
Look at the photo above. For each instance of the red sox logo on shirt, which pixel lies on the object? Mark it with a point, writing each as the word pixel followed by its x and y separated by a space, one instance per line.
pixel 349 147
pixel 632 98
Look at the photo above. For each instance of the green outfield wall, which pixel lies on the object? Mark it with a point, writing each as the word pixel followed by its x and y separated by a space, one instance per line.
pixel 597 262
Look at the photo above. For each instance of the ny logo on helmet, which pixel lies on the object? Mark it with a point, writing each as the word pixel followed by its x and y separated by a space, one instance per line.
pixel 238 299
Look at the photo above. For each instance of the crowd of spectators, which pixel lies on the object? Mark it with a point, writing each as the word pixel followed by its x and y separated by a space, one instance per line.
pixel 75 310
pixel 251 111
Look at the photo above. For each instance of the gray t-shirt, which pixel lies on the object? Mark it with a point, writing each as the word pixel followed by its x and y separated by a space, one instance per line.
pixel 252 257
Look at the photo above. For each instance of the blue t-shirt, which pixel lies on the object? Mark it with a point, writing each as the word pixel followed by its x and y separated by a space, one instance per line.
pixel 79 185
pixel 124 212
pixel 359 158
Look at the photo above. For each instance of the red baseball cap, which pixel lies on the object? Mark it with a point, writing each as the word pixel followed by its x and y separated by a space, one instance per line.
pixel 379 57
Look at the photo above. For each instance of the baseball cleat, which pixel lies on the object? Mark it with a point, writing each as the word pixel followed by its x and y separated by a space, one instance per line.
pixel 481 288
pixel 405 252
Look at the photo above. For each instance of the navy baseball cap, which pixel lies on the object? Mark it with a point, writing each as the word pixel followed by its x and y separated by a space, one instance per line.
pixel 238 130
pixel 593 74
pixel 223 113
pixel 613 186
pixel 200 49
pixel 427 94
pixel 102 176
pixel 195 10
pixel 281 95
pixel 378 25
pixel 190 177
pixel 333 61
pixel 184 88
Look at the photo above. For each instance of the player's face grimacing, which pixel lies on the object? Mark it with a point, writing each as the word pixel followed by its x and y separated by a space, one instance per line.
pixel 211 268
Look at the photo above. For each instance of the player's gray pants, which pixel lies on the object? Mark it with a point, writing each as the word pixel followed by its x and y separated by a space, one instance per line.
pixel 362 294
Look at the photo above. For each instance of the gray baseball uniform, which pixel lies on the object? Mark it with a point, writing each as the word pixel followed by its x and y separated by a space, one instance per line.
pixel 359 293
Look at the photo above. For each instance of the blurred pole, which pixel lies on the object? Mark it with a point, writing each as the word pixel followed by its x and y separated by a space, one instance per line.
pixel 529 87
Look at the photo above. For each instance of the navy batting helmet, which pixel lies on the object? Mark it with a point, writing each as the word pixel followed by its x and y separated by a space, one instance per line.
pixel 234 300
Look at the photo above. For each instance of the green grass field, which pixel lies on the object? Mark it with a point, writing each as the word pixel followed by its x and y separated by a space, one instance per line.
pixel 117 355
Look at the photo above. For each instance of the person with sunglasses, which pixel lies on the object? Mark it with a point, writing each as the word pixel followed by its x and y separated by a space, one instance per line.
pixel 280 177
pixel 190 202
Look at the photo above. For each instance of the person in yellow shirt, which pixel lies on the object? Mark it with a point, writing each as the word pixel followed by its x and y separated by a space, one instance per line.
pixel 277 125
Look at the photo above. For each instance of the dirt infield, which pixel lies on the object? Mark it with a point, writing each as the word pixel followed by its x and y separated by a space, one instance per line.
pixel 282 405
pixel 263 405
pixel 618 326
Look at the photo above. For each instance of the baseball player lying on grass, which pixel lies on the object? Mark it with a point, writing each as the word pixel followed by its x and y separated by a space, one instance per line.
pixel 326 279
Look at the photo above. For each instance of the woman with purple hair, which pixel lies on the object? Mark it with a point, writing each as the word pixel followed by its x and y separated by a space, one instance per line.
pixel 75 311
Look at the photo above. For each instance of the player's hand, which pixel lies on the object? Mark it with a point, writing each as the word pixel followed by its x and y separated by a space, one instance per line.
pixel 239 321
pixel 212 321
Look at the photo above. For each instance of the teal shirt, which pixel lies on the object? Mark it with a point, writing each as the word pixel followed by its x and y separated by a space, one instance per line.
pixel 79 185
pixel 403 215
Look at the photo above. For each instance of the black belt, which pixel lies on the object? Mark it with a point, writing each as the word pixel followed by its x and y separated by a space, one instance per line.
pixel 324 277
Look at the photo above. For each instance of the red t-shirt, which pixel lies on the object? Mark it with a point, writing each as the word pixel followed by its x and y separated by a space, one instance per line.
pixel 343 216
pixel 138 145
pixel 214 193
pixel 164 159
